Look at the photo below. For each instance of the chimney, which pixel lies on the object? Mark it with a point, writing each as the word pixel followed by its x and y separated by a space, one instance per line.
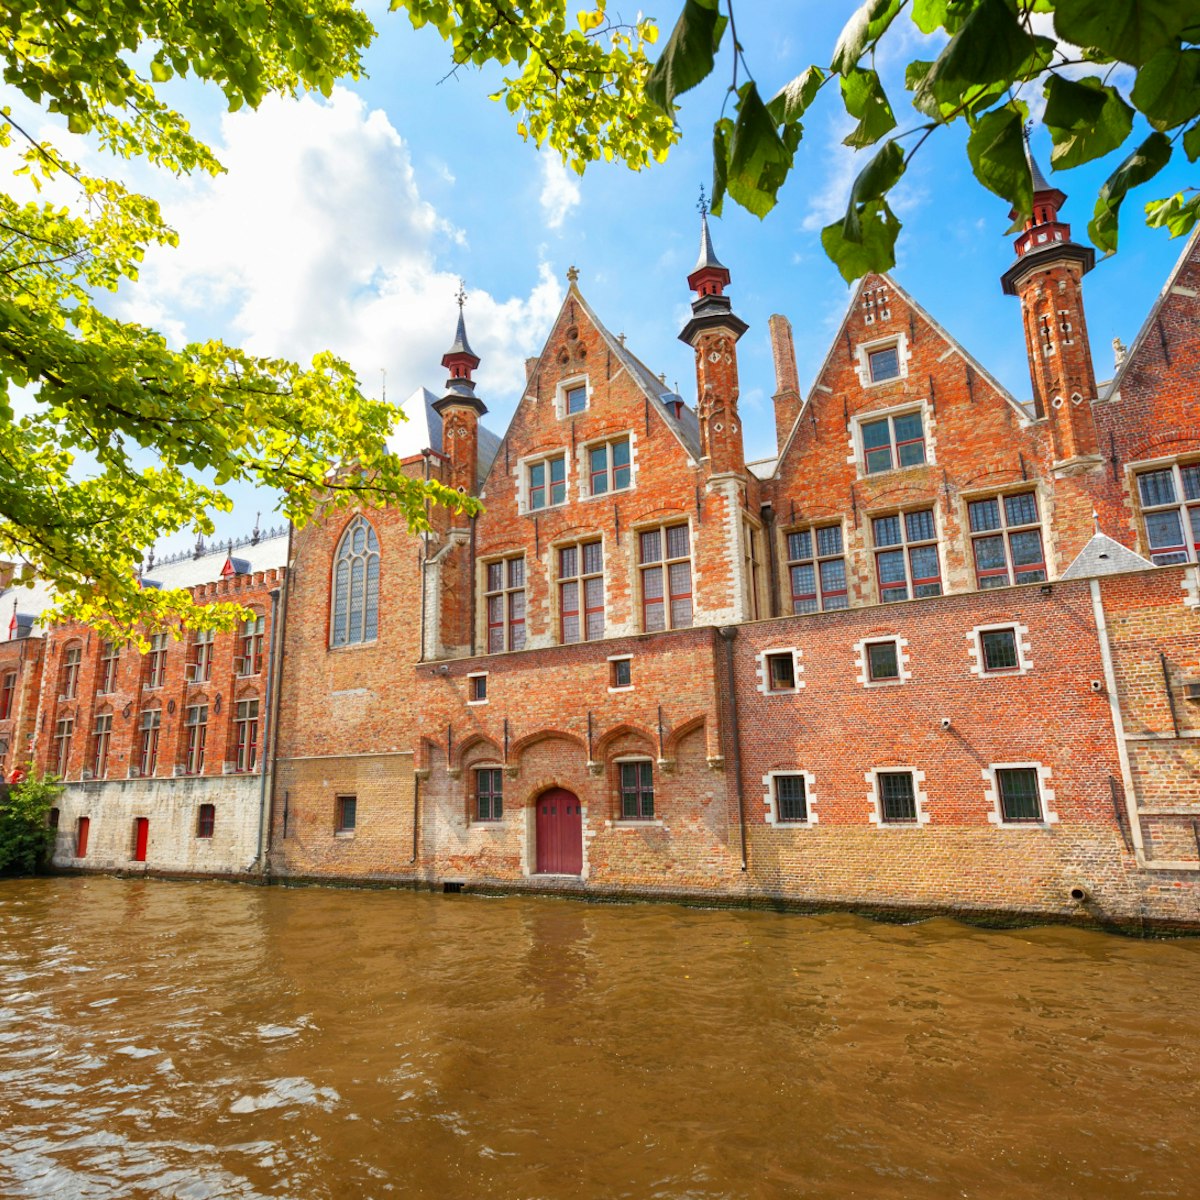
pixel 787 384
pixel 530 367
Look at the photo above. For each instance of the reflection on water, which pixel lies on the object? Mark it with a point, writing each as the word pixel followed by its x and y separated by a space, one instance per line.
pixel 208 1040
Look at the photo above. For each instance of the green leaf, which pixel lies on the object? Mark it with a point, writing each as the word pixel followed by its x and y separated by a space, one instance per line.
pixel 1174 214
pixel 990 47
pixel 1144 163
pixel 868 23
pixel 864 98
pixel 1166 88
pixel 688 56
pixel 759 161
pixel 996 149
pixel 793 99
pixel 872 182
pixel 874 251
pixel 1132 31
pixel 160 72
pixel 1191 143
pixel 1086 120
pixel 722 131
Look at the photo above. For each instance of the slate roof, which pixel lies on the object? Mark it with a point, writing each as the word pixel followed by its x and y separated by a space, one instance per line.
pixel 1103 556
pixel 423 431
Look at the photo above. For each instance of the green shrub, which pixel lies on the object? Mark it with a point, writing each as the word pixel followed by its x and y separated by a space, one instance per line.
pixel 25 834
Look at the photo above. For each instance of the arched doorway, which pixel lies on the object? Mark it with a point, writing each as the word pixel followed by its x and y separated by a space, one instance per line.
pixel 559 833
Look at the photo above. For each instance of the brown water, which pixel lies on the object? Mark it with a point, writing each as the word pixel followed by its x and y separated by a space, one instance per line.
pixel 201 1040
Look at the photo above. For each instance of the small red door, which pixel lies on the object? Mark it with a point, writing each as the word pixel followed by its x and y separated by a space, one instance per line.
pixel 559 833
pixel 141 835
pixel 81 836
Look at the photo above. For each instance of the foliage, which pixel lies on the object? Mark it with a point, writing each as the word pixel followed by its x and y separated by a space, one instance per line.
pixel 1097 62
pixel 25 834
pixel 83 396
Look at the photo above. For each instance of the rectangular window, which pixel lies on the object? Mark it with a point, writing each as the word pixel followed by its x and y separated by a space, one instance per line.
pixel 547 482
pixel 621 673
pixel 890 442
pixel 156 661
pixel 666 571
pixel 150 723
pixel 791 803
pixel 199 669
pixel 999 650
pixel 637 791
pixel 608 467
pixel 504 604
pixel 897 800
pixel 883 661
pixel 1170 500
pixel 345 814
pixel 109 657
pixel 206 819
pixel 101 735
pixel 8 694
pixel 1006 540
pixel 781 672
pixel 489 794
pixel 884 364
pixel 82 828
pixel 69 681
pixel 581 592
pixel 63 730
pixel 576 399
pixel 817 568
pixel 196 724
pixel 906 555
pixel 1019 798
pixel 478 688
pixel 251 659
pixel 246 735
pixel 752 569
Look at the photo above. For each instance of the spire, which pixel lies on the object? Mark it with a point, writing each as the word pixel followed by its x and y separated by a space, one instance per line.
pixel 460 360
pixel 709 276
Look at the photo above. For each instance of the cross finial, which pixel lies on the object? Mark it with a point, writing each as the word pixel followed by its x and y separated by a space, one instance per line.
pixel 572 274
pixel 702 203
pixel 461 297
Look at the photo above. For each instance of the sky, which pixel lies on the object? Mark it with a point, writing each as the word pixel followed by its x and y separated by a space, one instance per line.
pixel 346 224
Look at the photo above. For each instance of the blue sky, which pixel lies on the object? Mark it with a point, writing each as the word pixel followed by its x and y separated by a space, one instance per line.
pixel 346 224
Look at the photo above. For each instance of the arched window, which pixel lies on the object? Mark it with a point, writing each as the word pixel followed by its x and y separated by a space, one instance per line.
pixel 355 615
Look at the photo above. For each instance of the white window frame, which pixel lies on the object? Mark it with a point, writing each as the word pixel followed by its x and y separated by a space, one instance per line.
pixel 613 658
pixel 816 561
pixel 477 675
pixel 864 663
pixel 580 579
pixel 858 455
pixel 622 822
pixel 906 547
pixel 770 800
pixel 1024 650
pixel 664 564
pixel 583 465
pixel 522 472
pixel 569 385
pixel 875 797
pixel 506 591
pixel 1004 530
pixel 864 350
pixel 1045 795
pixel 1180 507
pixel 764 674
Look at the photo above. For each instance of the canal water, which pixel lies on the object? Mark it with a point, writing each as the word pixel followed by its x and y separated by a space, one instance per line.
pixel 204 1040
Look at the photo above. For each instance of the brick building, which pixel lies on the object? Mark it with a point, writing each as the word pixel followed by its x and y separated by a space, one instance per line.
pixel 940 653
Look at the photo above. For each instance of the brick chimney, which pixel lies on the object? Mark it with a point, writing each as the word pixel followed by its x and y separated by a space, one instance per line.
pixel 787 384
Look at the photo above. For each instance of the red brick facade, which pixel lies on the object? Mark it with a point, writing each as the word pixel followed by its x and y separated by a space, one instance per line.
pixel 858 675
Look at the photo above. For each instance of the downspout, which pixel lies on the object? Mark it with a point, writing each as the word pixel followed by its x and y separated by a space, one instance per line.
pixel 416 806
pixel 768 520
pixel 424 559
pixel 729 632
pixel 268 741
pixel 471 585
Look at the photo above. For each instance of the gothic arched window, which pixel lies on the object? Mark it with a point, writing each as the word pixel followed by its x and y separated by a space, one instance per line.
pixel 355 616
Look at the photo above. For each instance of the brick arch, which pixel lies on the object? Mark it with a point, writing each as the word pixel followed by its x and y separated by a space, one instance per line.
pixel 672 740
pixel 997 477
pixel 1157 447
pixel 601 745
pixel 531 739
pixel 547 783
pixel 658 514
pixel 245 691
pixel 463 749
pixel 902 495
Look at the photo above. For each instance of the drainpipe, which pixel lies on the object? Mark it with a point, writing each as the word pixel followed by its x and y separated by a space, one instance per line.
pixel 416 806
pixel 768 520
pixel 729 632
pixel 268 740
pixel 424 558
pixel 471 578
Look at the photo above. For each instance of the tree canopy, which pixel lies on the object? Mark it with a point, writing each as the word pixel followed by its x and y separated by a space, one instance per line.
pixel 86 398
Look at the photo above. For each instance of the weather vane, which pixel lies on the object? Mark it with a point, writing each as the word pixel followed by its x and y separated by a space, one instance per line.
pixel 702 204
pixel 462 294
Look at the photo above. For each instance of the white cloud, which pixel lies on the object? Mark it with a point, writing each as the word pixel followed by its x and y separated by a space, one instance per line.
pixel 839 167
pixel 318 238
pixel 560 191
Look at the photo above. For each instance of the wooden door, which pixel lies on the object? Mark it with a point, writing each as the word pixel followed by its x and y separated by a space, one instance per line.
pixel 559 833
pixel 141 836
pixel 82 827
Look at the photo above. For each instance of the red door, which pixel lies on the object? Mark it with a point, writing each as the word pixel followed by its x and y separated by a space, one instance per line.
pixel 141 836
pixel 559 833
pixel 81 836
